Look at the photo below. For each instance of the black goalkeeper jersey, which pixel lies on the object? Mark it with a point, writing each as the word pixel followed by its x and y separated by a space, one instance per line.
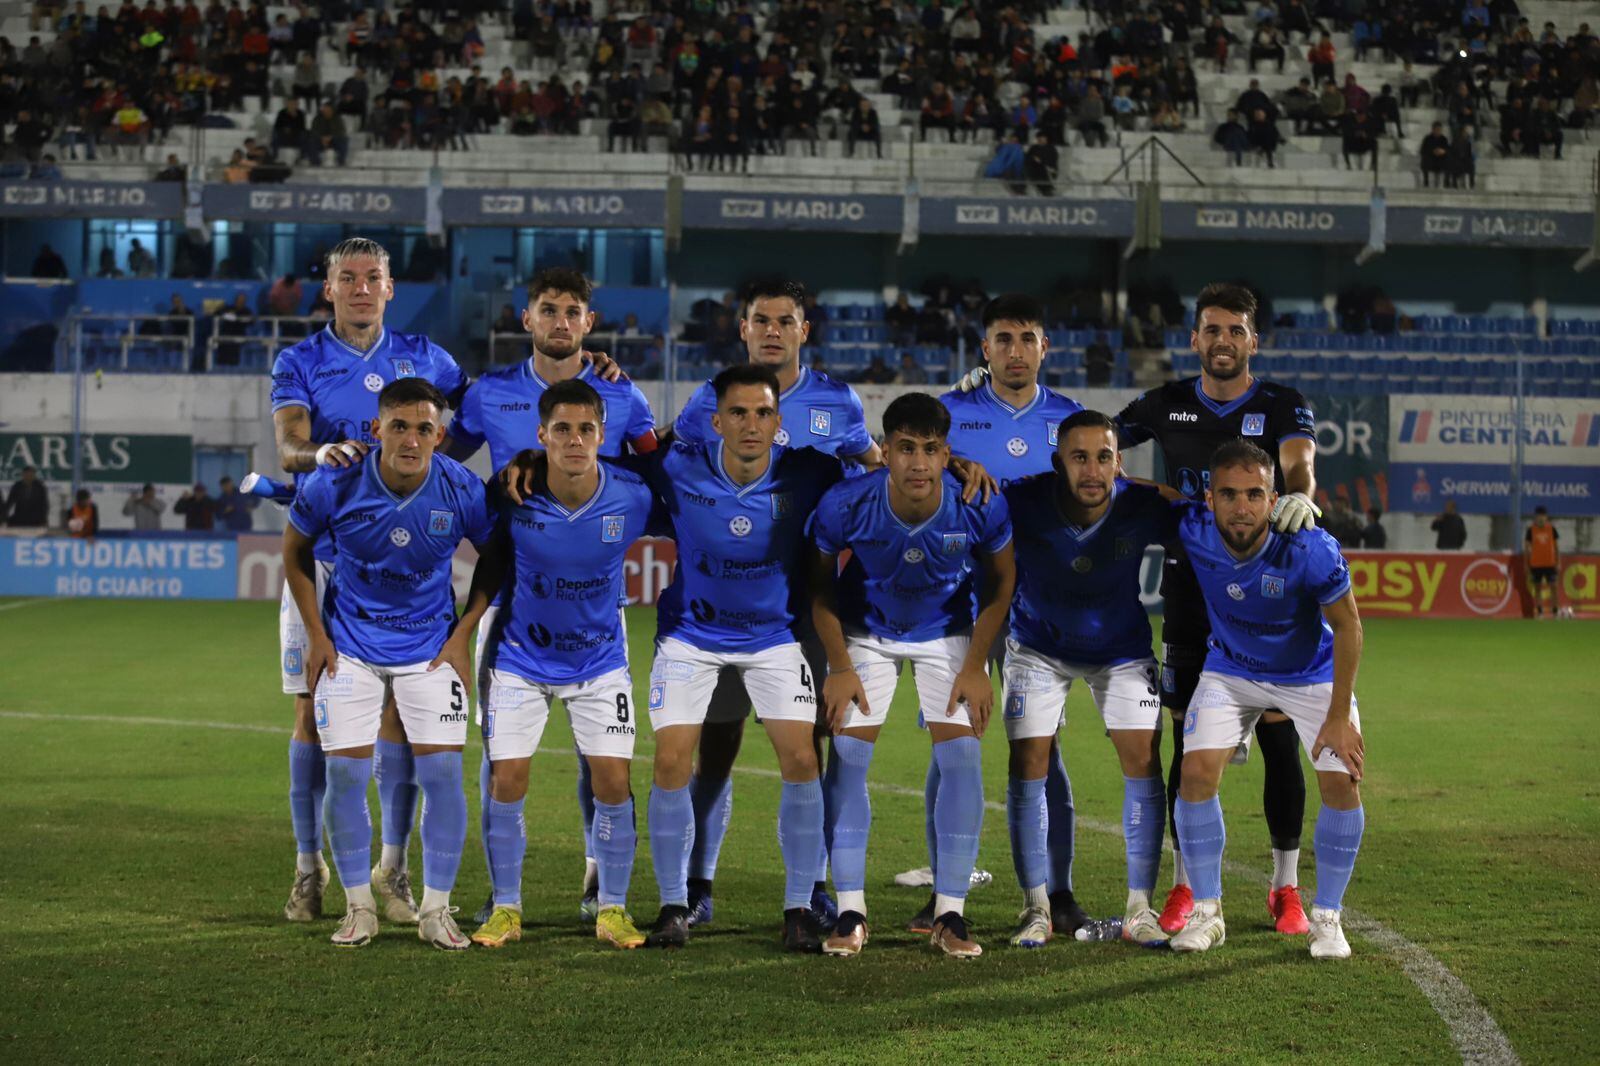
pixel 1187 425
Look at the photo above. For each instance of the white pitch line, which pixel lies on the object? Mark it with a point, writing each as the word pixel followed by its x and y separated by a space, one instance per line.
pixel 1472 1029
pixel 26 603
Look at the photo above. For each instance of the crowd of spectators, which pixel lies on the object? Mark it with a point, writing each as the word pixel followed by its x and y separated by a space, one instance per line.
pixel 720 82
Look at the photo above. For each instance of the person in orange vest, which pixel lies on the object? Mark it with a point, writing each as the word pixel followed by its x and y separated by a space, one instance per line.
pixel 83 518
pixel 1541 551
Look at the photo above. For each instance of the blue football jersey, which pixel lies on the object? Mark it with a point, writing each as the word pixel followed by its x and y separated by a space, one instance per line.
pixel 1011 442
pixel 818 412
pixel 389 601
pixel 740 583
pixel 1078 589
pixel 1266 611
pixel 564 624
pixel 502 410
pixel 339 385
pixel 910 583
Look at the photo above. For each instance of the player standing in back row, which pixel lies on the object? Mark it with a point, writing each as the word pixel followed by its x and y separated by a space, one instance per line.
pixel 324 415
pixel 1189 420
pixel 1008 421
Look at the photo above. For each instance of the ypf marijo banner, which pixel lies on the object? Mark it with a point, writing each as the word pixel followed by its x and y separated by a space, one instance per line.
pixel 1461 448
pixel 107 458
pixel 1463 584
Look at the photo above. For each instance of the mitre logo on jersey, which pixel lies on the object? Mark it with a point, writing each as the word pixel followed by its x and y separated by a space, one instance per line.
pixel 740 526
pixel 1183 416
pixel 955 543
pixel 821 423
pixel 913 555
pixel 1236 592
pixel 1017 446
pixel 611 529
pixel 440 522
pixel 782 504
pixel 373 382
pixel 400 536
pixel 404 368
pixel 1272 586
pixel 1254 425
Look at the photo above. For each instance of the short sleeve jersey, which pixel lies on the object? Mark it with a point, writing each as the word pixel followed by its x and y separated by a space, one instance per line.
pixel 1078 587
pixel 390 601
pixel 818 412
pixel 501 409
pixel 1011 442
pixel 906 582
pixel 339 385
pixel 567 585
pixel 742 549
pixel 1266 610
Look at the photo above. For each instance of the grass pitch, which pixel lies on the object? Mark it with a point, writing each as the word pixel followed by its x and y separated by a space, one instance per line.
pixel 146 855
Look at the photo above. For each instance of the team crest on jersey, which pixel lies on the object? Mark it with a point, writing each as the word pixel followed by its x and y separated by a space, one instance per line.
pixel 404 368
pixel 611 529
pixel 1122 548
pixel 658 697
pixel 399 536
pixel 1017 447
pixel 291 662
pixel 1055 432
pixel 1082 564
pixel 440 522
pixel 955 544
pixel 373 382
pixel 821 423
pixel 1272 586
pixel 782 504
pixel 781 437
pixel 1254 425
pixel 1236 592
pixel 1016 705
pixel 740 526
pixel 913 555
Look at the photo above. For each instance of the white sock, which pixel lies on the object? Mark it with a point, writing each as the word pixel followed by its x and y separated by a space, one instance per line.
pixel 305 862
pixel 1179 875
pixel 432 897
pixel 1137 901
pixel 1285 868
pixel 360 896
pixel 943 905
pixel 854 900
pixel 1038 896
pixel 394 857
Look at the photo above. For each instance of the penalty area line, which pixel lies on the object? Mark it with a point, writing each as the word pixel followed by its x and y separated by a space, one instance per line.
pixel 1477 1036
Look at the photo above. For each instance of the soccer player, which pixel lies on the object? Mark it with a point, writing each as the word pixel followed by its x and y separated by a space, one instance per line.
pixel 561 638
pixel 906 597
pixel 1541 554
pixel 1188 420
pixel 395 521
pixel 324 413
pixel 1285 634
pixel 817 412
pixel 739 508
pixel 1081 534
pixel 1007 421
pixel 498 410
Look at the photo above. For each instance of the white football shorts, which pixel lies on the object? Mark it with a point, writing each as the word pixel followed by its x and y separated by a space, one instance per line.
pixel 516 711
pixel 294 644
pixel 683 676
pixel 349 705
pixel 1225 708
pixel 934 666
pixel 1034 701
